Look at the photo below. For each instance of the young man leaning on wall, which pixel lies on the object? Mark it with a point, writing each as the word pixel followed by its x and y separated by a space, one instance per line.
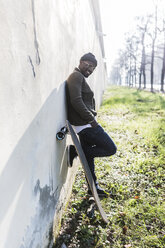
pixel 94 140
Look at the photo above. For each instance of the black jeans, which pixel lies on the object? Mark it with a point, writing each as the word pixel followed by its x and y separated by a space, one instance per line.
pixel 96 142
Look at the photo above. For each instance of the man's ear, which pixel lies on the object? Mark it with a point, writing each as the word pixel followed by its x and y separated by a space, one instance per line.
pixel 81 63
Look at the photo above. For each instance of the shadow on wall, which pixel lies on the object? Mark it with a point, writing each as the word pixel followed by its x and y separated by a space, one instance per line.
pixel 31 181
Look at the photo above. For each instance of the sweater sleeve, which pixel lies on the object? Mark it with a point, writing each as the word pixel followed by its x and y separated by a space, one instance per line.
pixel 74 83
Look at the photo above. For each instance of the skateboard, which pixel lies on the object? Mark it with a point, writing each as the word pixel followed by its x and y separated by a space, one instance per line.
pixel 84 163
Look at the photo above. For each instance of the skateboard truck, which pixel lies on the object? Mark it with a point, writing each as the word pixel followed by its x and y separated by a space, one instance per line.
pixel 61 134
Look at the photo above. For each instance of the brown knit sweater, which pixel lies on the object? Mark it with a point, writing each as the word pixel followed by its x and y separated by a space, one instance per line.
pixel 80 100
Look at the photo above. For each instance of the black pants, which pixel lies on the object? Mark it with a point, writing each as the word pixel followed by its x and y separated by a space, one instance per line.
pixel 96 142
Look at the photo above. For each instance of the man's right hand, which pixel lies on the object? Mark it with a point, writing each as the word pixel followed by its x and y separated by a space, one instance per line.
pixel 94 123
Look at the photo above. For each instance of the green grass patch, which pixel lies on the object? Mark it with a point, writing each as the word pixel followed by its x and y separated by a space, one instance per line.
pixel 135 175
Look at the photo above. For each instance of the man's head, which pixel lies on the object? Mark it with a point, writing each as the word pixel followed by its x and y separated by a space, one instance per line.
pixel 87 64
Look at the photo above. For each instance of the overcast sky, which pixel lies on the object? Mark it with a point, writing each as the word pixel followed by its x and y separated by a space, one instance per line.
pixel 117 18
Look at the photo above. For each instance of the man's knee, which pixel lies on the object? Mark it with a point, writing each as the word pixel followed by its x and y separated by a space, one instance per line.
pixel 114 150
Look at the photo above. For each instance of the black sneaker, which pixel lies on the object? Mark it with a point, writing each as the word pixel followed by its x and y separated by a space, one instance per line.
pixel 101 192
pixel 71 155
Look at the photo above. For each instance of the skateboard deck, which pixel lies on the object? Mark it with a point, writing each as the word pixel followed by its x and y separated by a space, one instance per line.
pixel 86 170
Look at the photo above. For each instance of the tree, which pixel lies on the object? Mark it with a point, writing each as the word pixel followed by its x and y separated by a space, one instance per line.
pixel 163 63
pixel 153 36
pixel 143 29
pixel 137 61
pixel 131 55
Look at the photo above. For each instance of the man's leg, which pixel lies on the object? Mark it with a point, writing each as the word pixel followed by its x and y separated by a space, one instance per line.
pixel 90 159
pixel 96 143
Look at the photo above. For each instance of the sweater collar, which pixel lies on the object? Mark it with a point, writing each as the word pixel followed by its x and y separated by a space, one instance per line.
pixel 77 69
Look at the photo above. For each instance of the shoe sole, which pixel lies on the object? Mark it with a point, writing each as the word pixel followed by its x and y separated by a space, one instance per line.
pixel 68 157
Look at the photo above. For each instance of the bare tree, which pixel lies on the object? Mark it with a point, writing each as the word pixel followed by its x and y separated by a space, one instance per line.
pixel 163 63
pixel 131 55
pixel 153 36
pixel 143 29
pixel 138 59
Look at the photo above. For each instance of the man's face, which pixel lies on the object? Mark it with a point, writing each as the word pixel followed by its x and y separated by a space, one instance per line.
pixel 86 68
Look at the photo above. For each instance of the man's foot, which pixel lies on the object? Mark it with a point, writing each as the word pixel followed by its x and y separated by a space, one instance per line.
pixel 71 155
pixel 101 192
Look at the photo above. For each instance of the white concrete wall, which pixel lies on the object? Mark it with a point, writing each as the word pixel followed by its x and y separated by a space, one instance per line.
pixel 41 43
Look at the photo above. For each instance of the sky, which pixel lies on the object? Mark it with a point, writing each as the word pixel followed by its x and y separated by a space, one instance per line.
pixel 117 18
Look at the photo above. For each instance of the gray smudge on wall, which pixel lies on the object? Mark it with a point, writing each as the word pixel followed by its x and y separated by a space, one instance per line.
pixel 38 232
pixel 35 35
pixel 31 62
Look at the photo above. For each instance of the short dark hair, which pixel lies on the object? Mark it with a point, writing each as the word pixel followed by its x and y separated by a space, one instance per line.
pixel 89 57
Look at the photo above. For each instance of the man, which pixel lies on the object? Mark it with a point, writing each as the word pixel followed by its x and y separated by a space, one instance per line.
pixel 94 140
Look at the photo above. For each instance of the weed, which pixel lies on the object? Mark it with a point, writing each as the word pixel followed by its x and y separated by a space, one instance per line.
pixel 135 176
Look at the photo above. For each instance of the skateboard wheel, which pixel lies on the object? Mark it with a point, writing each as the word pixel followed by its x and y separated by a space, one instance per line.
pixel 61 134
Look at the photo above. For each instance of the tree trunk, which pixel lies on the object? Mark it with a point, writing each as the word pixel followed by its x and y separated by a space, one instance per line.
pixel 163 64
pixel 163 71
pixel 144 77
pixel 153 50
pixel 144 67
pixel 152 65
pixel 140 79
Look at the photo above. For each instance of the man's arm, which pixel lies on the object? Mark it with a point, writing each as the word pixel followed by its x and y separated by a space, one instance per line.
pixel 94 123
pixel 74 84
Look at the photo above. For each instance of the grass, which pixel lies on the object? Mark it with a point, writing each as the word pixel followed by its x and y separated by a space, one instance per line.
pixel 135 175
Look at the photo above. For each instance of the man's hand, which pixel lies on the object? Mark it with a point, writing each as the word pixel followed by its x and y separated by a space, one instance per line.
pixel 94 123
